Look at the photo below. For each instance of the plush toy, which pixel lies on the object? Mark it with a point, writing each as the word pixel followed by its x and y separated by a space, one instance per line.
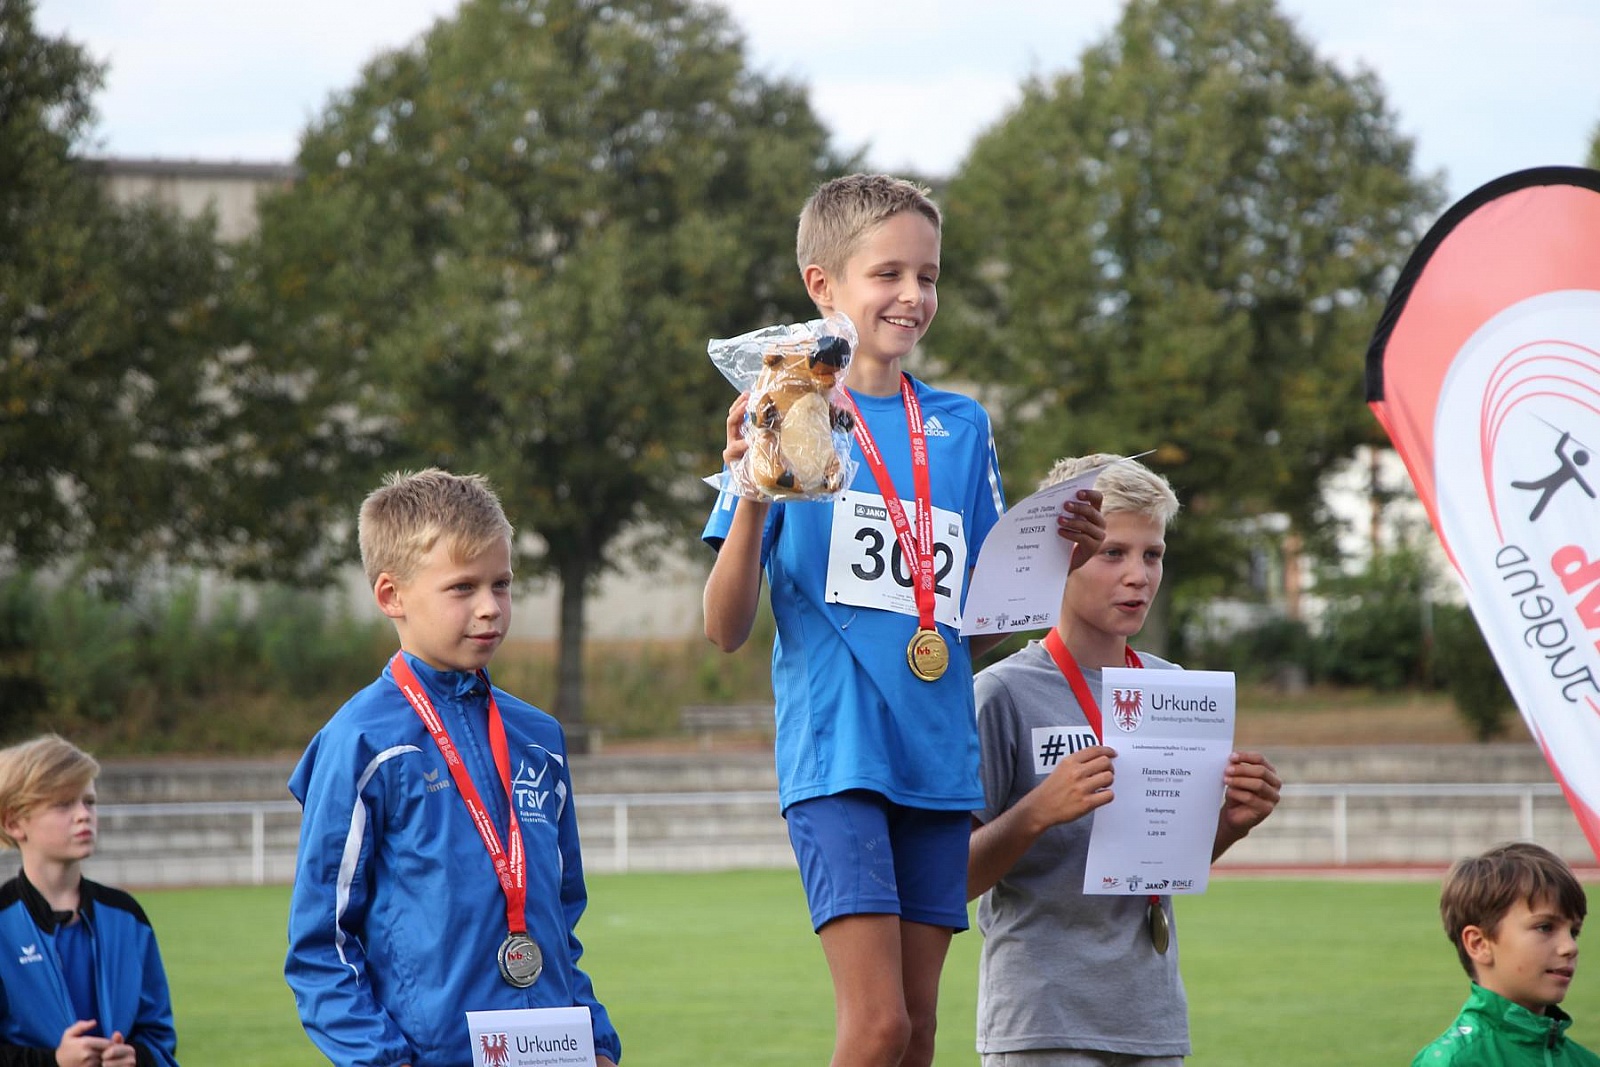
pixel 792 419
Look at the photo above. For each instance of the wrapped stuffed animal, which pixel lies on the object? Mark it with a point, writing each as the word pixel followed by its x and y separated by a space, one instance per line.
pixel 793 419
pixel 798 432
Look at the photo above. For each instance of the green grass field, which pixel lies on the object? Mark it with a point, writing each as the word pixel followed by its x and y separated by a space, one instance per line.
pixel 705 969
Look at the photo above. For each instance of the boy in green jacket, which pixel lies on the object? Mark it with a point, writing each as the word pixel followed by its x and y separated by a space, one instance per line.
pixel 1513 915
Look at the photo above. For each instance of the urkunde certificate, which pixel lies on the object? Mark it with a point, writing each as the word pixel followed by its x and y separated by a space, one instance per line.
pixel 1173 733
pixel 1016 584
pixel 532 1037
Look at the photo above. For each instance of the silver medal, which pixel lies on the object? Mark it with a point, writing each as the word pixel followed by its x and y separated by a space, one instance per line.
pixel 521 962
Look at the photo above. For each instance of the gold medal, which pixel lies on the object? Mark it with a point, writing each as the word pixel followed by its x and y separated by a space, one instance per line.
pixel 1160 930
pixel 928 655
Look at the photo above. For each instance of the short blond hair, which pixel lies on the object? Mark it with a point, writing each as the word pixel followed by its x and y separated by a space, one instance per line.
pixel 842 211
pixel 404 518
pixel 1127 486
pixel 42 771
pixel 1479 890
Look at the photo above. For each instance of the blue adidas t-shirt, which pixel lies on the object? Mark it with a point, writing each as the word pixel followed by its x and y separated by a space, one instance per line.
pixel 850 714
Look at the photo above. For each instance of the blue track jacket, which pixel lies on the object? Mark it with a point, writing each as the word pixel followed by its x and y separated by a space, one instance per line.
pixel 130 982
pixel 397 915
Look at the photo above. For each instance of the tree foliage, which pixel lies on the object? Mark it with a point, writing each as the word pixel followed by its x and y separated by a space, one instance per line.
pixel 510 244
pixel 1465 666
pixel 1376 629
pixel 110 329
pixel 1184 246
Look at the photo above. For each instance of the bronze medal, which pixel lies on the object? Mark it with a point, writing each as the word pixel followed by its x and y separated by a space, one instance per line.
pixel 928 655
pixel 1160 929
pixel 521 962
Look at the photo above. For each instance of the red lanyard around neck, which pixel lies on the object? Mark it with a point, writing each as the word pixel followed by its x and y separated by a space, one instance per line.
pixel 512 867
pixel 918 548
pixel 1080 686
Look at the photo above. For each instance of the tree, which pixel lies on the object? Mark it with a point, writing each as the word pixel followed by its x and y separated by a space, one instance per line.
pixel 1184 247
pixel 510 244
pixel 109 339
pixel 1377 627
pixel 1466 667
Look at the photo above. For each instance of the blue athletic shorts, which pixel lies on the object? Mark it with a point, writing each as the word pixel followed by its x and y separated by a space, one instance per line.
pixel 862 854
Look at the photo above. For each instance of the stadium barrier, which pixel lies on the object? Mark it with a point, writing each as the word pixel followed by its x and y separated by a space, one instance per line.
pixel 1318 825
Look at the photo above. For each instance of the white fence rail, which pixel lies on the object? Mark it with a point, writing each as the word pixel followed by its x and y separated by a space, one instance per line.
pixel 1339 796
pixel 1317 825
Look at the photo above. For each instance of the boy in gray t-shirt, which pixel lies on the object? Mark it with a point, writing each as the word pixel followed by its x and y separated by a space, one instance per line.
pixel 1053 957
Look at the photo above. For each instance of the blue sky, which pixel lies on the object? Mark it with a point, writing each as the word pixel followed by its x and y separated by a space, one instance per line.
pixel 1484 86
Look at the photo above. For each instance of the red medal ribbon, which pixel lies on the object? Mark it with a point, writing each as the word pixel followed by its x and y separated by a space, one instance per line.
pixel 512 867
pixel 1068 666
pixel 917 549
pixel 1074 675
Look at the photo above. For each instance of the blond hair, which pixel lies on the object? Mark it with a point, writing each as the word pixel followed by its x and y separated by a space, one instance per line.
pixel 1128 485
pixel 403 519
pixel 39 772
pixel 842 211
pixel 1479 890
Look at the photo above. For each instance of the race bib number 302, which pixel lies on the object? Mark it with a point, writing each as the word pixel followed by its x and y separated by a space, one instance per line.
pixel 867 568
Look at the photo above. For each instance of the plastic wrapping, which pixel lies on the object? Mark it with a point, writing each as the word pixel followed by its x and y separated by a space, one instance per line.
pixel 795 423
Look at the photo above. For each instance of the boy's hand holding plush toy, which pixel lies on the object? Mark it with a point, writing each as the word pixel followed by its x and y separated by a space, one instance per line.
pixel 794 429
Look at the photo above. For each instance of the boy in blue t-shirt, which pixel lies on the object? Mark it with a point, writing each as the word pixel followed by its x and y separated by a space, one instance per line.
pixel 84 984
pixel 876 747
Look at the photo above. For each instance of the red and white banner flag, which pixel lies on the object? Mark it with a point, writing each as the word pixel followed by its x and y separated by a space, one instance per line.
pixel 1485 371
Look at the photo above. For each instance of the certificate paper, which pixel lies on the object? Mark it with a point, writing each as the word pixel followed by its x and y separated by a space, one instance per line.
pixel 532 1037
pixel 1022 567
pixel 1173 732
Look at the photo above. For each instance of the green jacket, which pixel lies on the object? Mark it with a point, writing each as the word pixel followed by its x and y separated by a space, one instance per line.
pixel 1491 1031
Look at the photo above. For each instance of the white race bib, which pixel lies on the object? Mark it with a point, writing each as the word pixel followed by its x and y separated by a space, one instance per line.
pixel 867 568
pixel 1053 744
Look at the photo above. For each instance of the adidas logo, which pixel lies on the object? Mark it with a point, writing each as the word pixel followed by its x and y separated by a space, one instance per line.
pixel 30 954
pixel 934 428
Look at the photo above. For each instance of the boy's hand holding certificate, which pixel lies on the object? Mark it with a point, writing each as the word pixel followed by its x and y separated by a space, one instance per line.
pixel 1022 568
pixel 1173 732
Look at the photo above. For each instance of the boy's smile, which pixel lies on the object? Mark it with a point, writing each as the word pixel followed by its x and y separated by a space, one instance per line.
pixel 1532 956
pixel 889 290
pixel 452 614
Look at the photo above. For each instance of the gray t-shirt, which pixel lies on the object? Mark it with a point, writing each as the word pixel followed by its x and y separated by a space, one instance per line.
pixel 1061 969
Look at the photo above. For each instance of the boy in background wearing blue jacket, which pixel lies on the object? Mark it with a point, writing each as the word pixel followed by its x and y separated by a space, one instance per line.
pixel 1513 915
pixel 81 983
pixel 438 870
